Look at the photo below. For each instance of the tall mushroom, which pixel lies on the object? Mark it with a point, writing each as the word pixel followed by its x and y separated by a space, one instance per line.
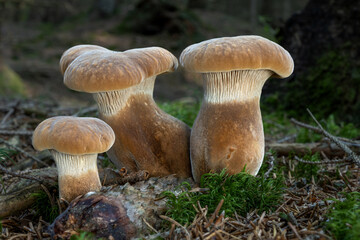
pixel 74 143
pixel 122 84
pixel 228 131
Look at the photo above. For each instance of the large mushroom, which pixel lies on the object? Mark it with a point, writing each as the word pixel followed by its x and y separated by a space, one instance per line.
pixel 122 84
pixel 228 131
pixel 74 143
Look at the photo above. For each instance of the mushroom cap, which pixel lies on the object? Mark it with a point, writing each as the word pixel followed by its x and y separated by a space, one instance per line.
pixel 237 53
pixel 73 135
pixel 101 71
pixel 72 53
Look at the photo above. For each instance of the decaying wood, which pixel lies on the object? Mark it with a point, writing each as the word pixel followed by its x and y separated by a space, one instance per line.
pixel 19 192
pixel 330 149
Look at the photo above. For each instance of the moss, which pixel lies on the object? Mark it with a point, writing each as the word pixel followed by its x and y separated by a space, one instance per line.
pixel 344 218
pixel 278 124
pixel 327 88
pixel 340 129
pixel 241 193
pixel 11 83
pixel 43 206
pixel 186 112
pixel 83 236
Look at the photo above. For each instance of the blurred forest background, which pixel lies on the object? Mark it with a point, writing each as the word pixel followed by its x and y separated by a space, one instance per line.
pixel 303 167
pixel 321 35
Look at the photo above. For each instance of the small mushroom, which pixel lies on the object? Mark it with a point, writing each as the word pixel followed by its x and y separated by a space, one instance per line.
pixel 122 84
pixel 228 131
pixel 74 143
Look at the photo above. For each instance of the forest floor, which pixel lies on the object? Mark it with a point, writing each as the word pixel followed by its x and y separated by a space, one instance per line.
pixel 313 183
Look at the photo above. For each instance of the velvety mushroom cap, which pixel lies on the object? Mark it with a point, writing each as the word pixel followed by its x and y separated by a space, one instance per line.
pixel 72 53
pixel 73 135
pixel 237 53
pixel 102 71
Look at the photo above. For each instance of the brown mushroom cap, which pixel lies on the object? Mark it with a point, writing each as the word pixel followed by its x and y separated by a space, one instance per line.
pixel 101 71
pixel 237 53
pixel 72 53
pixel 73 135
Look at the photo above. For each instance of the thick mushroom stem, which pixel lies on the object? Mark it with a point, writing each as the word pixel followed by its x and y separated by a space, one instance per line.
pixel 78 174
pixel 147 138
pixel 112 102
pixel 228 131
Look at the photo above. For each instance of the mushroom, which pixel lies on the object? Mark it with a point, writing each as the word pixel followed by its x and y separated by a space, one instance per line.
pixel 74 144
pixel 228 131
pixel 122 84
pixel 72 53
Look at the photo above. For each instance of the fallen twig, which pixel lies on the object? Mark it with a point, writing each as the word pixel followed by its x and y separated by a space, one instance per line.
pixel 20 133
pixel 331 150
pixel 321 162
pixel 318 130
pixel 23 152
pixel 353 157
pixel 271 165
pixel 188 236
pixel 4 170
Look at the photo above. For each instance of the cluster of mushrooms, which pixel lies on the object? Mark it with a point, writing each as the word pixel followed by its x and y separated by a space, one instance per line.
pixel 138 135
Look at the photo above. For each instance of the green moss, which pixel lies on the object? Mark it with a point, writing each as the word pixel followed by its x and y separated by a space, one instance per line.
pixel 43 207
pixel 340 129
pixel 83 236
pixel 11 83
pixel 330 87
pixel 344 218
pixel 185 112
pixel 277 123
pixel 106 162
pixel 242 193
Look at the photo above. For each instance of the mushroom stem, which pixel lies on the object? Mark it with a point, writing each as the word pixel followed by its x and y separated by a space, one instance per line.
pixel 146 137
pixel 238 85
pixel 228 132
pixel 111 102
pixel 78 174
